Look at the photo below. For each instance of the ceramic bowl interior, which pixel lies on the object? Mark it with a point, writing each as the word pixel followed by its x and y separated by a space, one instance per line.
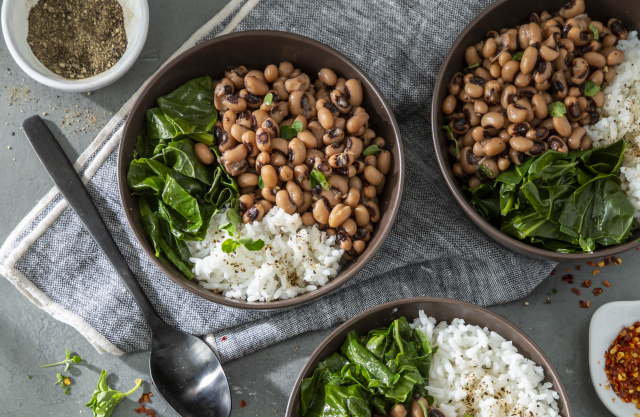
pixel 257 49
pixel 509 13
pixel 15 27
pixel 441 309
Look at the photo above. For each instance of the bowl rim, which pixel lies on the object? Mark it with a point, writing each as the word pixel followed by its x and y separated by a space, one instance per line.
pixel 395 198
pixel 87 84
pixel 549 369
pixel 455 188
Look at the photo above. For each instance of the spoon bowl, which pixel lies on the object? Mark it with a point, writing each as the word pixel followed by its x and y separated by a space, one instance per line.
pixel 186 371
pixel 188 375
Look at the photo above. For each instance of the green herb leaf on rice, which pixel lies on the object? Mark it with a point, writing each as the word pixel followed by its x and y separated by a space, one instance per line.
pixel 252 244
pixel 596 35
pixel 591 89
pixel 229 246
pixel 557 109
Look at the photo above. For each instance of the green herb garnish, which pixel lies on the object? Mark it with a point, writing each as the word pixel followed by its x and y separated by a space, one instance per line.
pixel 234 241
pixel 477 64
pixel 484 171
pixel 268 99
pixel 260 182
pixel 234 215
pixel 591 89
pixel 290 132
pixel 65 362
pixel 453 138
pixel 554 291
pixel 557 109
pixel 104 399
pixel 517 56
pixel 65 382
pixel 371 150
pixel 596 35
pixel 316 178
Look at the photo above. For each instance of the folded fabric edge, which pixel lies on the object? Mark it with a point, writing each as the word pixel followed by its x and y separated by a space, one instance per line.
pixel 59 313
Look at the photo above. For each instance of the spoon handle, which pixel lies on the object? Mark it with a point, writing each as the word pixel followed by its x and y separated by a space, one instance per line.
pixel 73 190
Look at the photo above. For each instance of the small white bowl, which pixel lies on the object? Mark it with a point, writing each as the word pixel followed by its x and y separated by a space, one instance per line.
pixel 15 27
pixel 607 322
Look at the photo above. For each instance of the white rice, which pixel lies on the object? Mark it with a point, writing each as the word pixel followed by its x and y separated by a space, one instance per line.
pixel 296 259
pixel 620 117
pixel 477 372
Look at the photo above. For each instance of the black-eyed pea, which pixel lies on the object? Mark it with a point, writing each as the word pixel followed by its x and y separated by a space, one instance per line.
pixel 203 153
pixel 262 159
pixel 334 149
pixel 380 187
pixel 609 73
pixel 503 163
pixel 339 183
pixel 341 159
pixel 321 211
pixel 284 173
pixel 344 241
pixel 323 166
pixel 249 141
pixel 299 83
pixel 307 201
pixel 372 175
pixel 353 198
pixel 449 105
pixel 308 219
pixel 327 76
pixel 595 59
pixel 339 214
pixel 478 148
pixel 516 113
pixel 371 160
pixel 331 232
pixel 471 56
pixel 325 118
pixel 271 73
pixel 269 193
pixel 362 215
pixel 492 120
pixel 253 214
pixel 369 191
pixel 521 144
pixel 598 99
pixel 245 202
pixel 297 151
pixel 333 136
pixel 494 146
pixel 358 166
pixel 341 101
pixel 235 154
pixel 575 138
pixel 355 182
pixel 284 201
pixel 263 140
pixel 374 211
pixel 384 162
pixel 269 176
pixel 585 143
pixel 248 180
pixel 256 86
pixel 353 89
pixel 348 226
pixel 562 126
pixel 355 123
pixel 348 171
pixel 358 246
pixel 354 146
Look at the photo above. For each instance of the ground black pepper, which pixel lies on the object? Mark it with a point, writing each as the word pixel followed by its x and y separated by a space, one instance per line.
pixel 77 38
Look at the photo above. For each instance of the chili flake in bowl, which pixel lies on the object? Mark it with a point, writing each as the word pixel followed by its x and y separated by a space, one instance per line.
pixel 622 362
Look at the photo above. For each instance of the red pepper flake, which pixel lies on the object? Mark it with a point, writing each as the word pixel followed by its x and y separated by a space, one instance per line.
pixel 150 394
pixel 554 271
pixel 586 283
pixel 575 291
pixel 621 364
pixel 606 283
pixel 597 291
pixel 601 264
pixel 585 305
pixel 140 410
pixel 242 403
pixel 578 267
pixel 150 413
pixel 596 271
pixel 568 269
pixel 224 338
pixel 591 264
pixel 568 278
pixel 607 260
pixel 617 261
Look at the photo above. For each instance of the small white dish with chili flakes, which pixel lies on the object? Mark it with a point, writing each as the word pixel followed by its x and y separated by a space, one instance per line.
pixel 606 324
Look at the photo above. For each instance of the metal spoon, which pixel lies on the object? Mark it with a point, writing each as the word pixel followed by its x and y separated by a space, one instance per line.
pixel 184 369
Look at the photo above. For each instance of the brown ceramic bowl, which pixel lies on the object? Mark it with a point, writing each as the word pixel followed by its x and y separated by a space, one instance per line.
pixel 257 49
pixel 509 13
pixel 441 309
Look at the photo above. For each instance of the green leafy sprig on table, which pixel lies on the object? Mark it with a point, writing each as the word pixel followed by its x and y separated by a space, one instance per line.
pixel 371 375
pixel 66 362
pixel 234 240
pixel 104 399
pixel 177 194
pixel 568 203
pixel 64 380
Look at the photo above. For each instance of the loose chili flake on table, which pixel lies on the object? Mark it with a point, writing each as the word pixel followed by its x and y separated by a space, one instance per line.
pixel 622 362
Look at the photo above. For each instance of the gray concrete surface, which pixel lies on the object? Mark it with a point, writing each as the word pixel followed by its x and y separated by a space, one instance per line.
pixel 29 337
